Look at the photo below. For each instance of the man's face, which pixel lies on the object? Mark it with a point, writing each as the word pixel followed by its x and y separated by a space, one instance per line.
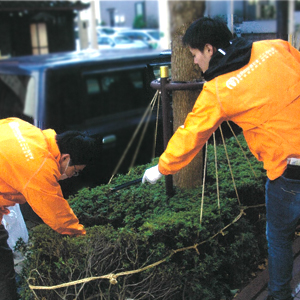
pixel 69 171
pixel 74 170
pixel 202 58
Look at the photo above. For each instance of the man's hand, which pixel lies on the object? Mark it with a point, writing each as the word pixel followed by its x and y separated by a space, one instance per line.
pixel 152 175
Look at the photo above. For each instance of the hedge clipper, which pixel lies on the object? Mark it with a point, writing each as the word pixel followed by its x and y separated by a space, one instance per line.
pixel 126 184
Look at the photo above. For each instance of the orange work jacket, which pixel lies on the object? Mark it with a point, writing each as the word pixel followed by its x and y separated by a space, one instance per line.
pixel 29 159
pixel 262 98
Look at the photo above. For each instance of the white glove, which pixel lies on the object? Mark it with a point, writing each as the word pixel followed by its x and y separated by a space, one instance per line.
pixel 152 175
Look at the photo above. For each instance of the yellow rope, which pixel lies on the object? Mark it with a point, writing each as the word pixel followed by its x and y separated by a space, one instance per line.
pixel 216 167
pixel 233 181
pixel 148 111
pixel 143 132
pixel 156 125
pixel 241 148
pixel 203 184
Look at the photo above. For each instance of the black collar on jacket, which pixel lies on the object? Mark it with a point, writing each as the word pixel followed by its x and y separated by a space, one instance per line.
pixel 232 58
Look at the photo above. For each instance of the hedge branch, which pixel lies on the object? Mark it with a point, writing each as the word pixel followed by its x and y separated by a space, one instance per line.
pixel 113 277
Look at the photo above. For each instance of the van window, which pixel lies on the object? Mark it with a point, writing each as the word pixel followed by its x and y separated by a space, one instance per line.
pixel 110 93
pixel 17 94
pixel 65 98
pixel 75 98
pixel 93 86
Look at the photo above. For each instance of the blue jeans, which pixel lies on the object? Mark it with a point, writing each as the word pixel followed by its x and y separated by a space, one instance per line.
pixel 283 213
pixel 8 290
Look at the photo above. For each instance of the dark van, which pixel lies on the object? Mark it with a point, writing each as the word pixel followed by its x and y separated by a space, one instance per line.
pixel 100 92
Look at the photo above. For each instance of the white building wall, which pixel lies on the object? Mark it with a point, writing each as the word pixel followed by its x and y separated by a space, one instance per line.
pixel 261 26
pixel 125 11
pixel 164 24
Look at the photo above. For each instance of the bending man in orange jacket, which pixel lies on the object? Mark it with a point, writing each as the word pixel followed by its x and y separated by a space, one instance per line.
pixel 257 86
pixel 32 162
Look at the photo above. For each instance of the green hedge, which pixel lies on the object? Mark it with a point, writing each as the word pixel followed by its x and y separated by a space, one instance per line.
pixel 140 225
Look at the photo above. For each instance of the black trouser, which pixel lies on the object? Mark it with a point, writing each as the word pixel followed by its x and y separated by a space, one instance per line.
pixel 8 289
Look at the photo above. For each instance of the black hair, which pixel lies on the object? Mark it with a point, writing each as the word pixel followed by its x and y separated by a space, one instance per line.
pixel 79 145
pixel 207 31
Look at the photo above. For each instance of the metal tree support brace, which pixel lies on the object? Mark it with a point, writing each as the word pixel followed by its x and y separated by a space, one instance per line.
pixel 165 85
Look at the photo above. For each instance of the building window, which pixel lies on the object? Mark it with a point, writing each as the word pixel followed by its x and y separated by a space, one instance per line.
pixel 39 38
pixel 140 17
pixel 140 9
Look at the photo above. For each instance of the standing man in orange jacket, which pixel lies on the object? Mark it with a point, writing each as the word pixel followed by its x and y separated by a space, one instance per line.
pixel 257 86
pixel 32 162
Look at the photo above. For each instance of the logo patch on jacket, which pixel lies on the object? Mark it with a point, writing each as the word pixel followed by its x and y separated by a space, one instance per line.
pixel 22 142
pixel 232 82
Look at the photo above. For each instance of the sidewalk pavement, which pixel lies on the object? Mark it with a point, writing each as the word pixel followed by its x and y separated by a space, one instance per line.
pixel 257 288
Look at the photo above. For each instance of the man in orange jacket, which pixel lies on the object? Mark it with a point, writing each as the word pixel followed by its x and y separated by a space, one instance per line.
pixel 257 86
pixel 32 162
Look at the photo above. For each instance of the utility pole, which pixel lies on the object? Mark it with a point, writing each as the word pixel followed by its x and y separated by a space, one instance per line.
pixel 164 24
pixel 230 16
pixel 92 26
pixel 282 19
pixel 291 23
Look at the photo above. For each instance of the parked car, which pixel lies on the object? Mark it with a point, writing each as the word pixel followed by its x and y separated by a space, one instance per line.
pixel 107 30
pixel 156 34
pixel 120 42
pixel 141 35
pixel 104 93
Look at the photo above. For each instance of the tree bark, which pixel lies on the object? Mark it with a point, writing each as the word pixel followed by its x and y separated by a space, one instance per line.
pixel 182 14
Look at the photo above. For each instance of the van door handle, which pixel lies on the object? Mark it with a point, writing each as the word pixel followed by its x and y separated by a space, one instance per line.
pixel 109 139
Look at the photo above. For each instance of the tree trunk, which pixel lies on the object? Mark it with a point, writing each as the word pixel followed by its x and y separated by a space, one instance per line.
pixel 182 14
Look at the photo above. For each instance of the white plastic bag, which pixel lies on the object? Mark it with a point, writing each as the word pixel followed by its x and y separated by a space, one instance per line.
pixel 15 225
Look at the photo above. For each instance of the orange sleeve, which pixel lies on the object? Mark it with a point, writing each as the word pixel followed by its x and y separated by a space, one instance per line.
pixel 43 193
pixel 189 139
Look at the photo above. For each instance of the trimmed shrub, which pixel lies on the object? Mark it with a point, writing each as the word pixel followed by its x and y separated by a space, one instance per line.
pixel 137 226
